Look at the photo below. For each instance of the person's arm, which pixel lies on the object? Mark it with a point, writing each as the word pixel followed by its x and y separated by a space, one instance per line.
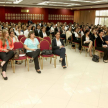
pixel 54 46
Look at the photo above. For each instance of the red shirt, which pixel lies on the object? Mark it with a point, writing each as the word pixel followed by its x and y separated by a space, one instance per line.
pixel 11 45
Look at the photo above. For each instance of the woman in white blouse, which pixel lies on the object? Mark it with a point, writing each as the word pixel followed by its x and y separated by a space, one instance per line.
pixel 87 41
pixel 12 35
pixel 52 30
pixel 59 49
pixel 19 32
pixel 69 33
pixel 43 33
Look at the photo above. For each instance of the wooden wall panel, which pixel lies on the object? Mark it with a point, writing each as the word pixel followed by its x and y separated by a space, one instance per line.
pixel 86 16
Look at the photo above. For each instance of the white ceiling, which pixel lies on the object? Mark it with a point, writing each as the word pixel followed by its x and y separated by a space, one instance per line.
pixel 69 4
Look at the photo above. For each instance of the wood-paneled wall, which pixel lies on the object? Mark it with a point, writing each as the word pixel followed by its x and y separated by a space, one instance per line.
pixel 86 16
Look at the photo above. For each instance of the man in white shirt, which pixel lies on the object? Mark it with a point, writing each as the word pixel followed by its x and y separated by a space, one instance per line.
pixel 26 32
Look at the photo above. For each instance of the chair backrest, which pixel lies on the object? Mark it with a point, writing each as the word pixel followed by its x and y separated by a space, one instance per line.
pixel 48 39
pixel 23 39
pixel 38 39
pixel 20 36
pixel 44 45
pixel 18 45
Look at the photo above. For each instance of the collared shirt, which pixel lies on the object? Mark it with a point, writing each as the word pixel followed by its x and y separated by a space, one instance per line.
pixel 19 33
pixel 44 34
pixel 76 34
pixel 30 44
pixel 26 32
pixel 58 42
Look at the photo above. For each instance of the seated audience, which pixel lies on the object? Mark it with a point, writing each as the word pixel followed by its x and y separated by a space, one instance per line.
pixel 77 38
pixel 14 38
pixel 101 45
pixel 38 30
pixel 6 53
pixel 26 32
pixel 43 33
pixel 69 33
pixel 52 30
pixel 87 41
pixel 32 46
pixel 59 49
pixel 19 32
pixel 63 33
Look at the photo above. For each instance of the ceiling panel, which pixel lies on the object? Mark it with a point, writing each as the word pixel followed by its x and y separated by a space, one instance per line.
pixel 69 4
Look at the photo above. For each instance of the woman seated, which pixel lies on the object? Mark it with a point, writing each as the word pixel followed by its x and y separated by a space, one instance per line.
pixel 6 53
pixel 77 38
pixel 86 41
pixel 69 33
pixel 43 33
pixel 12 35
pixel 32 46
pixel 101 45
pixel 19 32
pixel 52 30
pixel 93 34
pixel 59 49
pixel 63 33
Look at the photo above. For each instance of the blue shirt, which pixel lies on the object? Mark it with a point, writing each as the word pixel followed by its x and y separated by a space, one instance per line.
pixel 30 44
pixel 7 44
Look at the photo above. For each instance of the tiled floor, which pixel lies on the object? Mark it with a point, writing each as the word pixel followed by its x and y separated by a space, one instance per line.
pixel 84 84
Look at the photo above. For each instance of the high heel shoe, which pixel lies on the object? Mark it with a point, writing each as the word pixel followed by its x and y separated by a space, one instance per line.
pixel 38 71
pixel 5 78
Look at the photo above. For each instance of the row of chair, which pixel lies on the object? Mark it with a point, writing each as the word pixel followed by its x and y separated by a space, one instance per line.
pixel 45 44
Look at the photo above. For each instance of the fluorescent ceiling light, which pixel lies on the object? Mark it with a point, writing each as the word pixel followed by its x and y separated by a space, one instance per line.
pixel 17 1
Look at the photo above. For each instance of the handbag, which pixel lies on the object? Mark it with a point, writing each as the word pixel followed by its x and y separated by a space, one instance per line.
pixel 46 52
pixel 17 53
pixel 95 58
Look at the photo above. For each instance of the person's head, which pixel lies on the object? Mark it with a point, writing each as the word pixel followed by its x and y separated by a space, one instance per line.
pixel 70 28
pixel 33 28
pixel 76 29
pixel 29 28
pixel 11 34
pixel 0 33
pixel 5 35
pixel 43 29
pixel 94 31
pixel 63 27
pixel 31 34
pixel 16 27
pixel 19 28
pixel 38 27
pixel 101 33
pixel 87 32
pixel 57 35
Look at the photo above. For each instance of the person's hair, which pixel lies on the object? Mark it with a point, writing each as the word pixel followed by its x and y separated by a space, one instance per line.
pixel 3 37
pixel 11 32
pixel 86 32
pixel 100 31
pixel 19 27
pixel 57 32
pixel 31 32
pixel 32 27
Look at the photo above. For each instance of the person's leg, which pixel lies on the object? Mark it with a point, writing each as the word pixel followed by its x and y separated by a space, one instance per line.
pixel 6 57
pixel 90 48
pixel 35 56
pixel 62 55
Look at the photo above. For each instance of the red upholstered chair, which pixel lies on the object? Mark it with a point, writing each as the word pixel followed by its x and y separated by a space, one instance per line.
pixel 20 36
pixel 95 50
pixel 48 39
pixel 18 45
pixel 23 39
pixel 38 39
pixel 44 45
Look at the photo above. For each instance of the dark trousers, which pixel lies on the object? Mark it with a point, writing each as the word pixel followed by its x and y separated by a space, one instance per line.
pixel 105 50
pixel 35 55
pixel 6 57
pixel 78 41
pixel 63 36
pixel 61 53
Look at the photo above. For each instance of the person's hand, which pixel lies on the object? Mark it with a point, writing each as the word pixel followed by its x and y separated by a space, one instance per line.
pixel 10 49
pixel 6 50
pixel 33 49
pixel 104 46
pixel 61 47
